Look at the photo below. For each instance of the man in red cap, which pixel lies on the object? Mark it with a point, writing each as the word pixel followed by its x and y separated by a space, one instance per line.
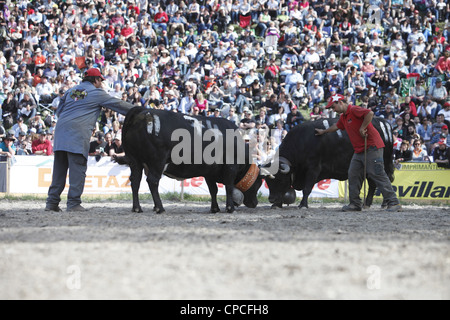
pixel 441 154
pixel 357 122
pixel 77 114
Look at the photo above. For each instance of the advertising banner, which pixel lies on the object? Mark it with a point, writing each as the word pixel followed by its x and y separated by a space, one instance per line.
pixel 33 175
pixel 417 181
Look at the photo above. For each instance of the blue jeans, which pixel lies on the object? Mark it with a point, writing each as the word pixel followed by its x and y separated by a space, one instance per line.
pixel 313 102
pixel 241 101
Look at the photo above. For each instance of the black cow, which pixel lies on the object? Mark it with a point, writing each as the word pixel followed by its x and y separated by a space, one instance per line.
pixel 153 141
pixel 305 159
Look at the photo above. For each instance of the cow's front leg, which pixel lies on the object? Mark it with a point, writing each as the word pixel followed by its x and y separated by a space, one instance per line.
pixel 309 185
pixel 230 202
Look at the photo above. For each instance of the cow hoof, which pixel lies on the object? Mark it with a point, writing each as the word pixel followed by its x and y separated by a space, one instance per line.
pixel 159 210
pixel 230 209
pixel 302 206
pixel 214 210
pixel 137 210
pixel 276 206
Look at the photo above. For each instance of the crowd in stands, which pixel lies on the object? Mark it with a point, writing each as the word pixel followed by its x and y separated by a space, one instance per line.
pixel 260 63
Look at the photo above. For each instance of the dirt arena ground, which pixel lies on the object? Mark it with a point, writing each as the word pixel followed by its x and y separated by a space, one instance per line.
pixel 187 253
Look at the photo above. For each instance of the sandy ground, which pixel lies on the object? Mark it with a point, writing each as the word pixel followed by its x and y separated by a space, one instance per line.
pixel 187 253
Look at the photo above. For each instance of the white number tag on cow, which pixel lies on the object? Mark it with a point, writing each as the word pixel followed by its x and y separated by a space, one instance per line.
pixel 154 124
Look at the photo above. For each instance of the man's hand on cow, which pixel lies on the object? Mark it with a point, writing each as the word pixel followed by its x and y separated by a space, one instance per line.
pixel 319 132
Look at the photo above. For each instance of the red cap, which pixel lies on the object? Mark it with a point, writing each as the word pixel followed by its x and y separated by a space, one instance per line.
pixel 444 127
pixel 334 98
pixel 93 72
pixel 447 104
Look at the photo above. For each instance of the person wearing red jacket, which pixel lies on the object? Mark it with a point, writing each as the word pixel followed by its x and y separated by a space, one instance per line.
pixel 161 18
pixel 357 122
pixel 109 34
pixel 42 146
pixel 134 7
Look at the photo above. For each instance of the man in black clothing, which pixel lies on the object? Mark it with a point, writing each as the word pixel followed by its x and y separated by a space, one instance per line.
pixel 10 108
pixel 97 147
pixel 271 105
pixel 441 154
pixel 294 118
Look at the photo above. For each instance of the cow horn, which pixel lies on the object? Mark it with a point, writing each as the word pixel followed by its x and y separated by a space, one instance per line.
pixel 284 168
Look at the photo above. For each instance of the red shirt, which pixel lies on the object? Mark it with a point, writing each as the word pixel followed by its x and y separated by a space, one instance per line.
pixel 126 31
pixel 135 8
pixel 120 51
pixel 161 17
pixel 37 145
pixel 351 122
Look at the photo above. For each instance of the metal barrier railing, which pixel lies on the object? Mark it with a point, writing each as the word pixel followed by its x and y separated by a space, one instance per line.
pixel 4 175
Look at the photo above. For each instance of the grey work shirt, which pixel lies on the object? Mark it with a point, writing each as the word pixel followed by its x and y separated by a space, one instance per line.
pixel 77 114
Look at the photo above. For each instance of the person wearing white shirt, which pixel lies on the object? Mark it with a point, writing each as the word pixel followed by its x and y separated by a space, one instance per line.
pixel 292 79
pixel 316 94
pixel 252 76
pixel 186 103
pixel 117 92
pixel 36 17
pixel 44 90
pixel 312 56
pixel 446 111
pixel 19 127
pixel 413 37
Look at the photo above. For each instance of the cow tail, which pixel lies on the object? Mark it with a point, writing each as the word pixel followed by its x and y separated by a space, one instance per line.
pixel 389 149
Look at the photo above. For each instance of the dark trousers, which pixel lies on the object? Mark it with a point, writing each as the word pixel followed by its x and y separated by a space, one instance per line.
pixel 375 171
pixel 76 164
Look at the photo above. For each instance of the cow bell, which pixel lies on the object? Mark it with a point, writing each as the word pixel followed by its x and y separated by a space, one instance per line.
pixel 238 197
pixel 289 197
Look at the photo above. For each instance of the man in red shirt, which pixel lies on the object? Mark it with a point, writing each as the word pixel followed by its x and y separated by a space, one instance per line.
pixel 127 30
pixel 42 146
pixel 161 19
pixel 357 122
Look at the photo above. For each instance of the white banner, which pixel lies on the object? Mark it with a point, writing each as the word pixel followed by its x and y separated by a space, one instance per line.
pixel 33 175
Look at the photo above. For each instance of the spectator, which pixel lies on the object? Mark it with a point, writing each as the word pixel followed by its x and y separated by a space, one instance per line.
pixel 316 113
pixel 117 147
pixel 403 154
pixel 97 147
pixel 27 107
pixel 247 122
pixel 438 93
pixel 294 118
pixel 42 146
pixel 419 154
pixel 446 111
pixel 44 91
pixel 441 154
pixel 7 147
pixel 316 94
pixel 425 132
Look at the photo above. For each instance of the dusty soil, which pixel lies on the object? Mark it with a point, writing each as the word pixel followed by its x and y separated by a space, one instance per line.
pixel 187 253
